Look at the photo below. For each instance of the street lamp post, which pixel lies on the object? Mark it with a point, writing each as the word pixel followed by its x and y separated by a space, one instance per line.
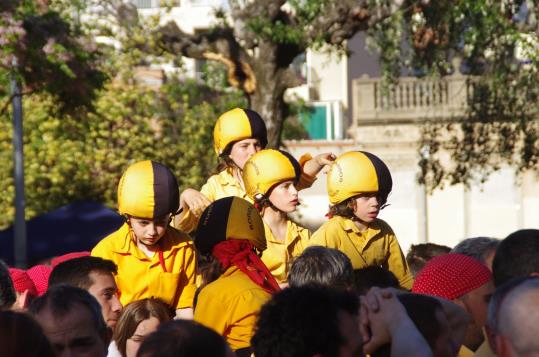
pixel 20 224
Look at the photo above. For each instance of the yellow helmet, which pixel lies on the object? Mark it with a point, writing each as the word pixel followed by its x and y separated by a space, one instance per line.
pixel 357 172
pixel 266 169
pixel 229 218
pixel 238 124
pixel 148 189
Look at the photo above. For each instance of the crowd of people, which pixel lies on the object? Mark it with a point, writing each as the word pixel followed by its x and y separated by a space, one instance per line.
pixel 225 271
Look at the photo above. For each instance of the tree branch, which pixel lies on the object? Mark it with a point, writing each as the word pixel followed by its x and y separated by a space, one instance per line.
pixel 218 44
pixel 342 19
pixel 241 14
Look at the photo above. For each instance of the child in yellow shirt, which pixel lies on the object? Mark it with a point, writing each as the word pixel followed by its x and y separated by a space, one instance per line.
pixel 238 134
pixel 358 184
pixel 235 282
pixel 154 260
pixel 271 178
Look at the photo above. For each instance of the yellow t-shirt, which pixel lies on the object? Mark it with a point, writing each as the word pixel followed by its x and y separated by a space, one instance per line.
pixel 278 255
pixel 230 306
pixel 465 352
pixel 377 245
pixel 140 277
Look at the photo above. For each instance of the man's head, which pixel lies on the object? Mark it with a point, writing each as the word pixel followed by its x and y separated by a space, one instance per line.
pixel 308 321
pixel 7 292
pixel 72 321
pixel 95 275
pixel 420 254
pixel 518 315
pixel 465 281
pixel 184 338
pixel 480 248
pixel 516 256
pixel 321 266
pixel 21 335
pixel 366 278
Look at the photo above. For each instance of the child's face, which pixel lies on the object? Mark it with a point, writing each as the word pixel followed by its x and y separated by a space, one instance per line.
pixel 147 231
pixel 242 150
pixel 367 207
pixel 284 196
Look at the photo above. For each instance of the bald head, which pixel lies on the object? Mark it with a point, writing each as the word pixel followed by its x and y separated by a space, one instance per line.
pixel 518 319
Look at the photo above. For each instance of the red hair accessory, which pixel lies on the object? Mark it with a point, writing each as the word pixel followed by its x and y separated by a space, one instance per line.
pixel 239 252
pixel 66 257
pixel 22 282
pixel 40 276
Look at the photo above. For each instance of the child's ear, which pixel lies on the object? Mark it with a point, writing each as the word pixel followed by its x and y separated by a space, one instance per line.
pixel 351 204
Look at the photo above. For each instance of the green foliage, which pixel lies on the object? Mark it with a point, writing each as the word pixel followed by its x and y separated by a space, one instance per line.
pixel 72 157
pixel 499 50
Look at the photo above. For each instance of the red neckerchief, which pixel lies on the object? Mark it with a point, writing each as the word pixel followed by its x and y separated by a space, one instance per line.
pixel 239 252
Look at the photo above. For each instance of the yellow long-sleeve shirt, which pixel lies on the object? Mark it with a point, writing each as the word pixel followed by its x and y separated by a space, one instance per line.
pixel 377 245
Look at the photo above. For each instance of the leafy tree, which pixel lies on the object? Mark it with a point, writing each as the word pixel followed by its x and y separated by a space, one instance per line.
pixel 72 157
pixel 496 40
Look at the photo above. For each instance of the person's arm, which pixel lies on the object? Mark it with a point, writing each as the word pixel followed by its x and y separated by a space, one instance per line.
pixel 184 314
pixel 385 321
pixel 396 263
pixel 191 199
pixel 192 203
pixel 313 166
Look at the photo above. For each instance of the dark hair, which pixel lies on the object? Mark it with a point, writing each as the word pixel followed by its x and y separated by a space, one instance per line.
pixel 7 291
pixel 478 247
pixel 210 269
pixel 422 311
pixel 321 266
pixel 76 272
pixel 133 314
pixel 366 278
pixel 343 209
pixel 419 254
pixel 20 335
pixel 62 299
pixel 516 256
pixel 183 338
pixel 302 321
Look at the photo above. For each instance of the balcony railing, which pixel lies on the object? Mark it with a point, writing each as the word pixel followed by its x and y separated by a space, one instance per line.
pixel 410 100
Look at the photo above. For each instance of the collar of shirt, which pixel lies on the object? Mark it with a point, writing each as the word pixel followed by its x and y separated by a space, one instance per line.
pixel 226 178
pixel 292 233
pixel 350 227
pixel 125 245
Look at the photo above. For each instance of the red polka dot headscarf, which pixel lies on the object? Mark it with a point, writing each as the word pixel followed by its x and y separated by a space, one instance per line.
pixel 450 276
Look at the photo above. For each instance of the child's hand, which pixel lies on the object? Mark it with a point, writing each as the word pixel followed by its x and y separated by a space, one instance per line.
pixel 324 159
pixel 317 163
pixel 193 200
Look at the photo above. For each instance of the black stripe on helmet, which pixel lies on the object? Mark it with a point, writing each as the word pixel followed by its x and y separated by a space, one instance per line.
pixel 385 183
pixel 258 127
pixel 295 164
pixel 166 191
pixel 212 226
